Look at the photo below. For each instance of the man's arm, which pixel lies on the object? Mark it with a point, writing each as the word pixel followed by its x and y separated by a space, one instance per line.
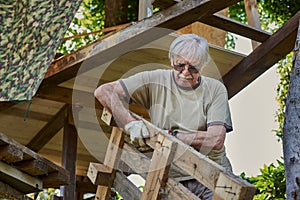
pixel 212 139
pixel 112 97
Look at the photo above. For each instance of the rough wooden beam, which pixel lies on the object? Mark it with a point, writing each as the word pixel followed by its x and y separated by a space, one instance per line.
pixel 175 190
pixel 134 36
pixel 48 131
pixel 126 188
pixel 33 167
pixel 10 153
pixel 20 180
pixel 263 57
pixel 159 168
pixel 230 25
pixel 69 157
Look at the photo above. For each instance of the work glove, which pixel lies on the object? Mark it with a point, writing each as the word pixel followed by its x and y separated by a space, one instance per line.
pixel 137 131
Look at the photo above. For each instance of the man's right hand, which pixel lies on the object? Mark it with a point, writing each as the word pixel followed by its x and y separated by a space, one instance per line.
pixel 137 131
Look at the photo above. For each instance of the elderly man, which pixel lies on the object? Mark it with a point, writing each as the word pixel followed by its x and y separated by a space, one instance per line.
pixel 190 106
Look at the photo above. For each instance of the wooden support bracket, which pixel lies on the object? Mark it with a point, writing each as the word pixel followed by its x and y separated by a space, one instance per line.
pixel 100 174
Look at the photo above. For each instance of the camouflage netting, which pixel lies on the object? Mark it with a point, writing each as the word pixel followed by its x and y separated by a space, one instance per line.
pixel 30 35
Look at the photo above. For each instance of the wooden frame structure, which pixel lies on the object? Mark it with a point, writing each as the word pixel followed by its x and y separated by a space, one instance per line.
pixel 27 171
pixel 168 151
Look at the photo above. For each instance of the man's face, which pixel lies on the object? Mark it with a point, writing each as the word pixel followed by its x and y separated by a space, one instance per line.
pixel 186 75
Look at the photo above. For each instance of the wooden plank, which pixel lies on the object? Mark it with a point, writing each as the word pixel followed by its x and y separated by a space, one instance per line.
pixel 136 35
pixel 113 152
pixel 159 168
pixel 10 153
pixel 225 189
pixel 230 25
pixel 32 167
pixel 175 190
pixel 21 181
pixel 263 57
pixel 126 188
pixel 138 162
pixel 48 131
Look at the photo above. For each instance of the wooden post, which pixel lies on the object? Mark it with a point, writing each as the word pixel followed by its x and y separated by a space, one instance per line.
pixel 159 168
pixel 253 17
pixel 111 159
pixel 69 159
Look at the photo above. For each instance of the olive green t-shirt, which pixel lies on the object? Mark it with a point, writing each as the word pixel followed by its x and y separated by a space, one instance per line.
pixel 172 107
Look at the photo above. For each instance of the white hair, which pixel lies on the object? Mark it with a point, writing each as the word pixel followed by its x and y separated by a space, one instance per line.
pixel 192 48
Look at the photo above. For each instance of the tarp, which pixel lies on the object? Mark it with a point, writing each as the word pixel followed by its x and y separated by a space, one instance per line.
pixel 30 33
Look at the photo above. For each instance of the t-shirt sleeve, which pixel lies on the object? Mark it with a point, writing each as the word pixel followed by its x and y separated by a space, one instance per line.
pixel 218 111
pixel 136 88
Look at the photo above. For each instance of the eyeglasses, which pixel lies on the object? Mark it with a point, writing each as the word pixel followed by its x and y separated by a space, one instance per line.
pixel 180 67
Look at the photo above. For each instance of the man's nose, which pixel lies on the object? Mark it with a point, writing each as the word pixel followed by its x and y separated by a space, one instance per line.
pixel 186 71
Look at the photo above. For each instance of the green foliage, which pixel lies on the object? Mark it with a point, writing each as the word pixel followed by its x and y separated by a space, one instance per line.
pixel 90 18
pixel 230 41
pixel 270 184
pixel 280 10
pixel 237 12
pixel 284 69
